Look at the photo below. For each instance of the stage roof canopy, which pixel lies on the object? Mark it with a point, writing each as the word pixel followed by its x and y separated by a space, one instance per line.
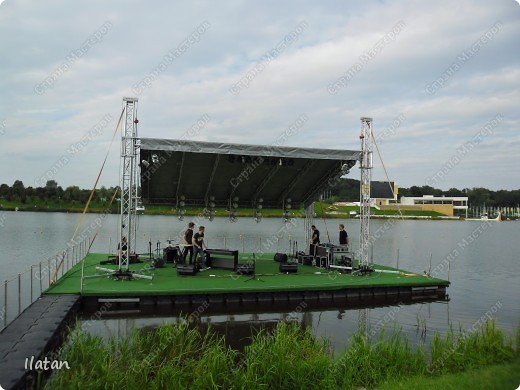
pixel 200 173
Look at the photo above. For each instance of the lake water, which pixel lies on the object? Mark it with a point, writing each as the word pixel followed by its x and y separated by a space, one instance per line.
pixel 484 268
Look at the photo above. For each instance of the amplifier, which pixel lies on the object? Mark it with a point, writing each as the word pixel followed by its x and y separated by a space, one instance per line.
pixel 289 267
pixel 187 269
pixel 280 257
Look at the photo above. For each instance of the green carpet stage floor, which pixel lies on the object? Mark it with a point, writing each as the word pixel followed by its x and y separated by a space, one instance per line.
pixel 219 284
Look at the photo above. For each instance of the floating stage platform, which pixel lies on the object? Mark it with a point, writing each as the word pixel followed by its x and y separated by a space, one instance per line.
pixel 41 328
pixel 223 287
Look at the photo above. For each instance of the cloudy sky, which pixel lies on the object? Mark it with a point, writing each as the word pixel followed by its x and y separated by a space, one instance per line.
pixel 441 80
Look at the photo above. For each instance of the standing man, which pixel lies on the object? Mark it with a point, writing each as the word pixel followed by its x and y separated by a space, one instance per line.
pixel 315 235
pixel 198 243
pixel 188 246
pixel 343 236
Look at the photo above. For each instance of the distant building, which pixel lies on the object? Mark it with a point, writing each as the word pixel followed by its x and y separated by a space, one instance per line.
pixel 443 204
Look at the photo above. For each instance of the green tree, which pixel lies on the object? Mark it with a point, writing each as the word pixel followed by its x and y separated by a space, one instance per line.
pixel 72 193
pixel 18 190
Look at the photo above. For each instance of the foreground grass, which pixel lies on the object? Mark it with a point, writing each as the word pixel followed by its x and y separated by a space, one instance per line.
pixel 177 356
pixel 505 376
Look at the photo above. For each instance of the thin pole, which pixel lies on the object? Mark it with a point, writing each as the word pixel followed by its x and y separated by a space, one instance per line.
pixel 19 294
pixel 5 303
pixel 40 279
pixel 31 283
pixel 398 259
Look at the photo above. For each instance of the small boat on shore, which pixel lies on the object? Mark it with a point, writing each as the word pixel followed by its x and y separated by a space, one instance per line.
pixel 485 217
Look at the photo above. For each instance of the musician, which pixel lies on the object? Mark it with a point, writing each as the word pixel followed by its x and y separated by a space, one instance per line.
pixel 315 235
pixel 188 246
pixel 198 244
pixel 343 236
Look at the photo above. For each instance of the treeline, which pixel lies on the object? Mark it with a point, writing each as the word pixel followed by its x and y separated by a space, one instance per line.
pixel 345 190
pixel 53 195
pixel 348 190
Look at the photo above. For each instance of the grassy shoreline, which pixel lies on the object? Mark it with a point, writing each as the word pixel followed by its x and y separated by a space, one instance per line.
pixel 321 209
pixel 180 356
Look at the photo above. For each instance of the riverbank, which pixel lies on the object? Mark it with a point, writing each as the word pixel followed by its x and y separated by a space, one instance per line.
pixel 321 210
pixel 288 357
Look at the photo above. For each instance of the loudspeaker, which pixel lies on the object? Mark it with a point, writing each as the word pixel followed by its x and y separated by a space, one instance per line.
pixel 187 269
pixel 158 263
pixel 245 269
pixel 289 267
pixel 280 257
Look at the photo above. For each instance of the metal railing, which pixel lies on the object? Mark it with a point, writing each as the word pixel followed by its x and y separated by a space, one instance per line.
pixel 20 292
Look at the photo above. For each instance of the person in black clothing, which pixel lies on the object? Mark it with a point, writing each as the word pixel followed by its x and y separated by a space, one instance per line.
pixel 315 235
pixel 198 243
pixel 188 237
pixel 343 236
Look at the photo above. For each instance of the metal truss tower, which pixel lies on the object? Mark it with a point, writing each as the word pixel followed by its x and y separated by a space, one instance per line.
pixel 308 222
pixel 365 243
pixel 364 192
pixel 128 183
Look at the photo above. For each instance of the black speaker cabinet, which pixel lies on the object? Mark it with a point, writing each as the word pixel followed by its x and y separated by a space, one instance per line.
pixel 280 257
pixel 289 267
pixel 187 269
pixel 158 263
pixel 307 260
pixel 245 269
pixel 170 255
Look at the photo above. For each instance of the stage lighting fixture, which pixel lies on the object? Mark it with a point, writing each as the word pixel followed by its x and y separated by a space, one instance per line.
pixel 145 163
pixel 155 158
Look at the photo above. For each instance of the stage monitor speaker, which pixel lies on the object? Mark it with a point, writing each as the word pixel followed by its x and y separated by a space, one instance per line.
pixel 158 263
pixel 280 257
pixel 289 267
pixel 187 269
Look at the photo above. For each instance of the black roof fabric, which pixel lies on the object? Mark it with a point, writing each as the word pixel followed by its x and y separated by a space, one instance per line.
pixel 199 173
